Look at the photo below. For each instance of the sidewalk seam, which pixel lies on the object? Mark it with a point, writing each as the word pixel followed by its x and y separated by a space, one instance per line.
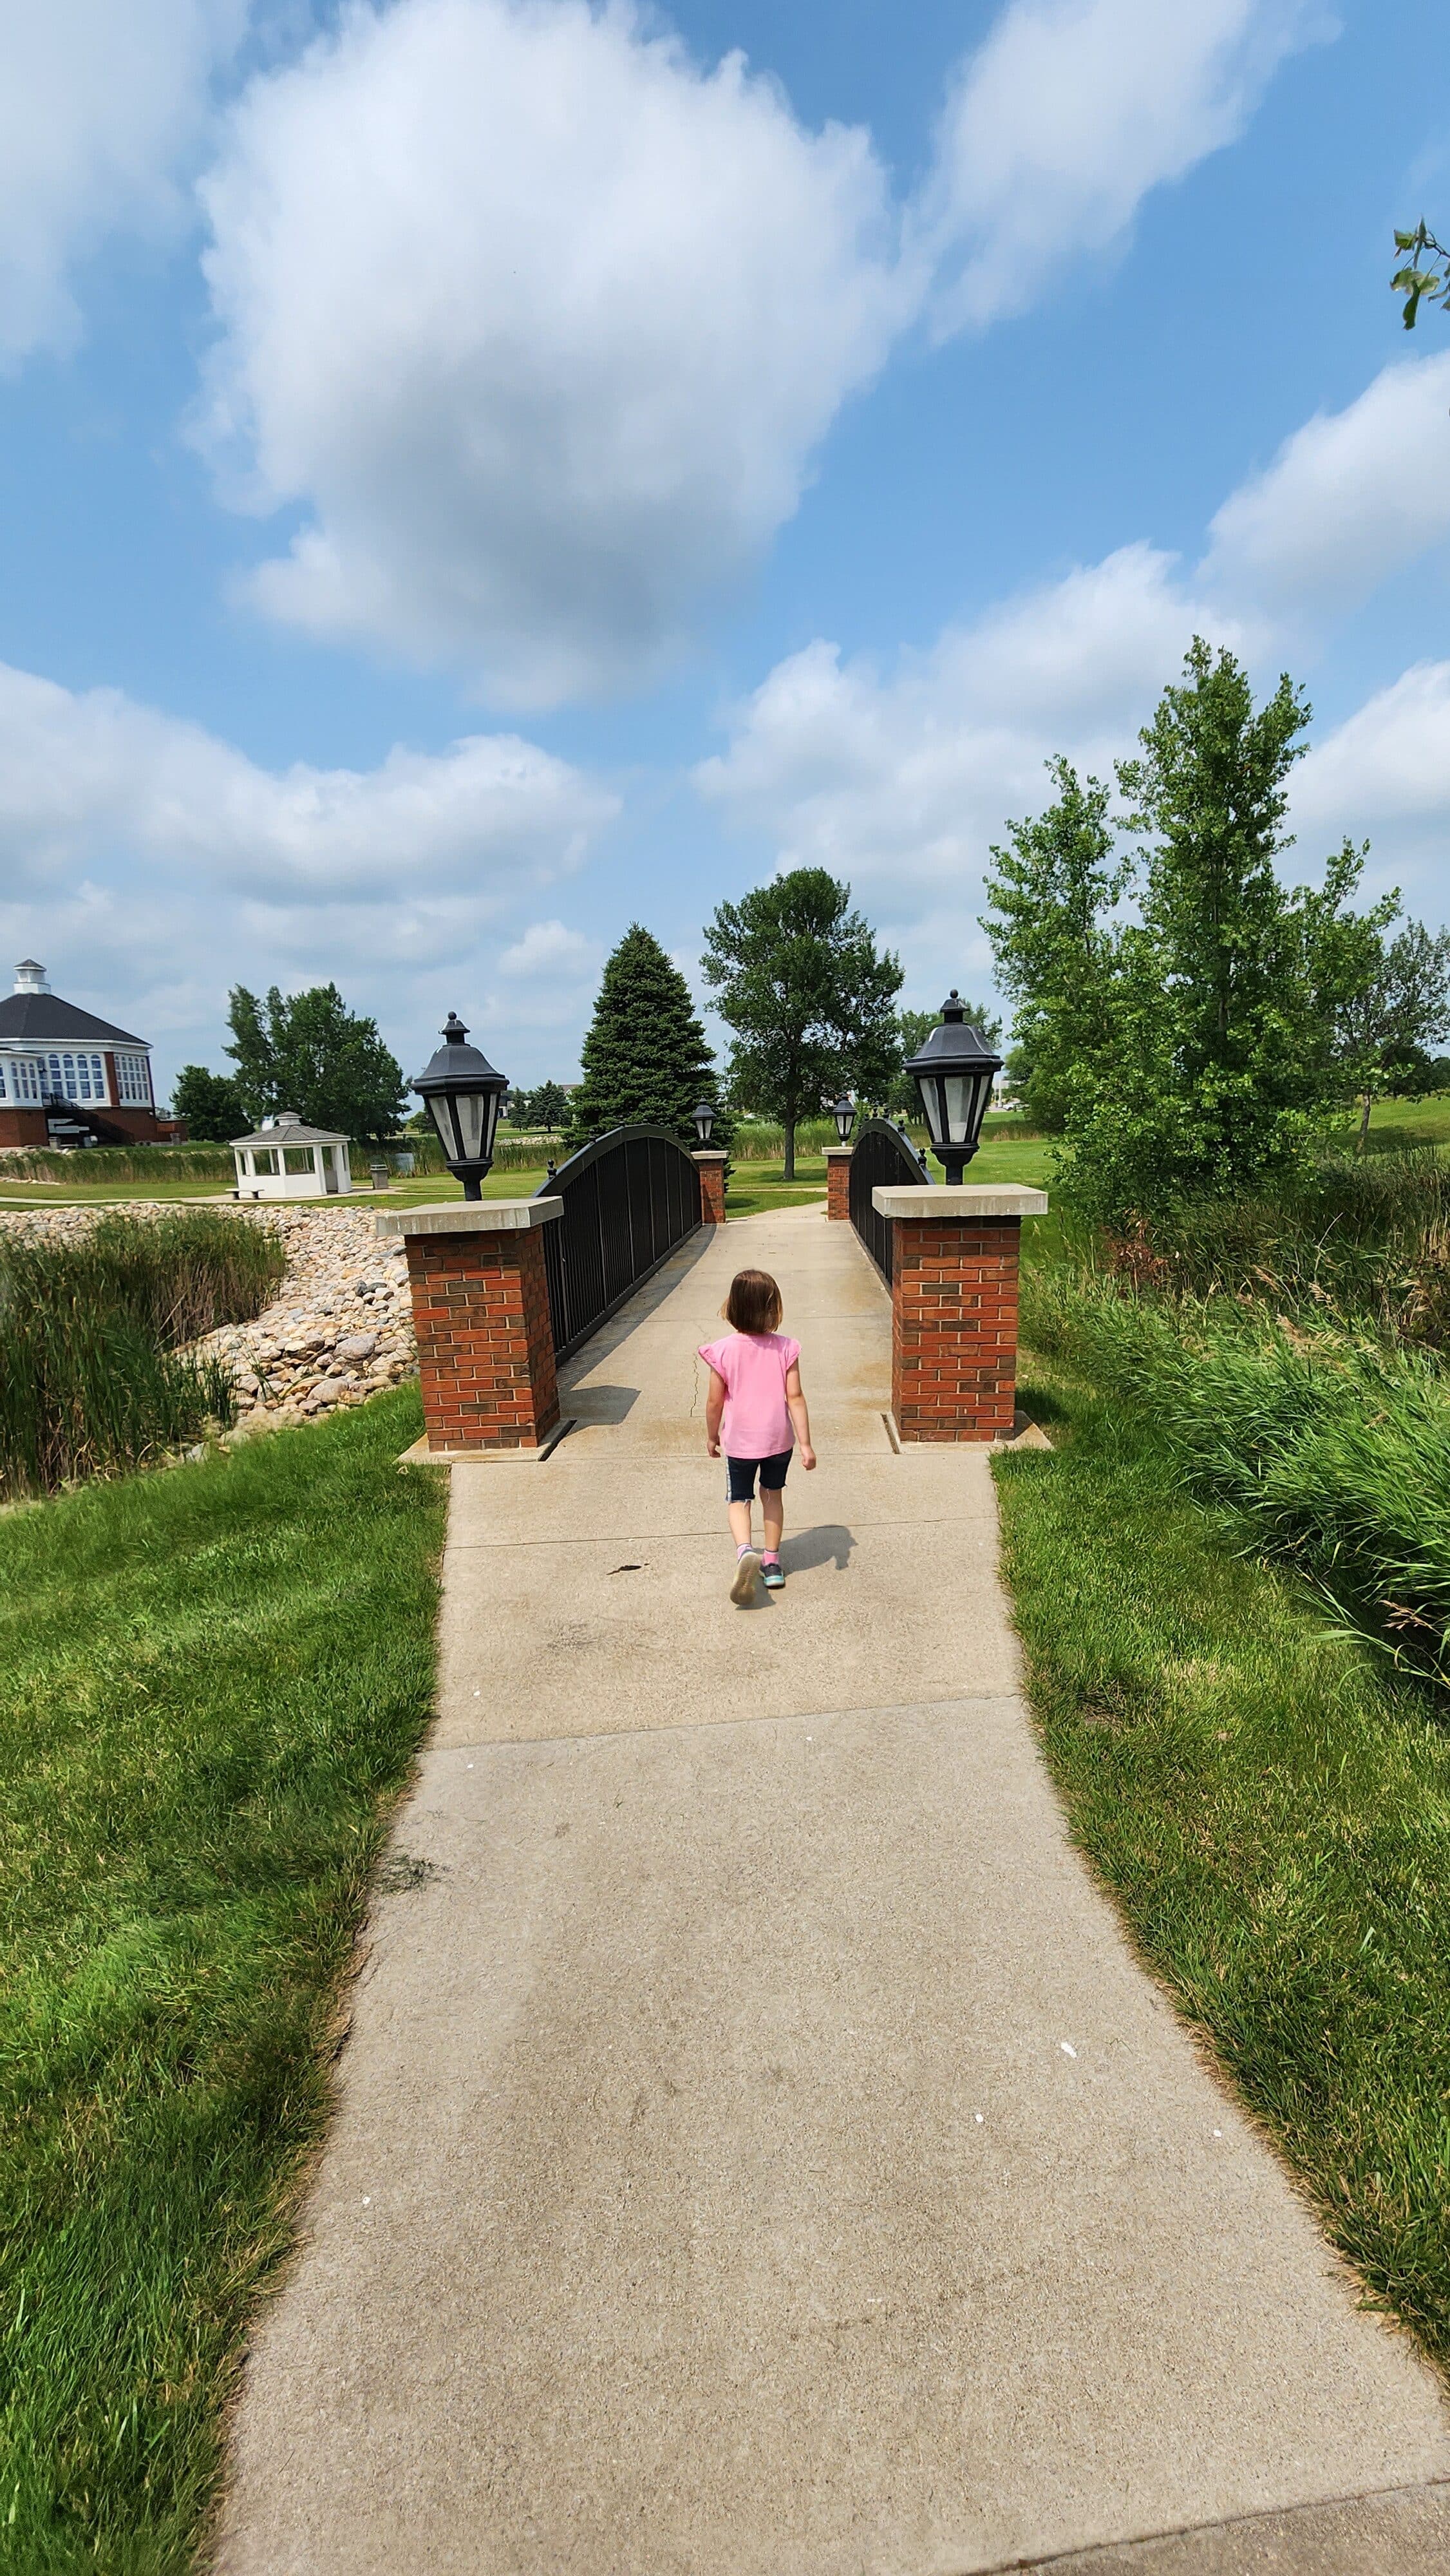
pixel 1082 2553
pixel 698 1725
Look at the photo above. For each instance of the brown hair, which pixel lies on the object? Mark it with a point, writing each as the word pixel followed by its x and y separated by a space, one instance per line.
pixel 753 1305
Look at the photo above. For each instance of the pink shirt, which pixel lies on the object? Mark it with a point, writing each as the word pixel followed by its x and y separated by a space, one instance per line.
pixel 755 1422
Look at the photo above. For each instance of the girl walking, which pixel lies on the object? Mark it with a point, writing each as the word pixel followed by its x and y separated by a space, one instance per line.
pixel 756 1408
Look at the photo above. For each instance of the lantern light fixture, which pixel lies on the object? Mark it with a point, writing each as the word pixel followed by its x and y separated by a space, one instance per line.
pixel 463 1095
pixel 704 1118
pixel 844 1113
pixel 953 1072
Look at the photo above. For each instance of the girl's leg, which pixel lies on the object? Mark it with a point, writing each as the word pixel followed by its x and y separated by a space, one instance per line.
pixel 742 1590
pixel 772 1512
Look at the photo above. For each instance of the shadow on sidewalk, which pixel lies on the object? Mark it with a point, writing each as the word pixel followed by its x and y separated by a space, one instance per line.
pixel 829 1544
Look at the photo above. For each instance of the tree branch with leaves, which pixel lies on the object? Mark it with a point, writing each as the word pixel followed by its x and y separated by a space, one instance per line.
pixel 1413 279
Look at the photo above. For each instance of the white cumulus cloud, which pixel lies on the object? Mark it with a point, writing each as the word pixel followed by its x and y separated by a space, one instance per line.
pixel 1066 117
pixel 539 321
pixel 546 981
pixel 1384 775
pixel 1351 497
pixel 547 948
pixel 99 106
pixel 144 859
pixel 90 774
pixel 901 780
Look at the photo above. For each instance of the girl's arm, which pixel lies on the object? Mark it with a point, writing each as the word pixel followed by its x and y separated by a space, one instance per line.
pixel 795 1405
pixel 714 1407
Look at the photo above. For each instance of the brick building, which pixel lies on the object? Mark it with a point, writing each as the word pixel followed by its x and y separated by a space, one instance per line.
pixel 67 1078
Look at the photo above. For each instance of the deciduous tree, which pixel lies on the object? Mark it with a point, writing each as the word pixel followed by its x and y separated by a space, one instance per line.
pixel 309 1052
pixel 1200 1045
pixel 1050 903
pixel 811 1000
pixel 1392 1008
pixel 210 1103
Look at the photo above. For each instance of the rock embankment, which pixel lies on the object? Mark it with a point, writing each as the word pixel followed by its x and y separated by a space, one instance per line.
pixel 339 1328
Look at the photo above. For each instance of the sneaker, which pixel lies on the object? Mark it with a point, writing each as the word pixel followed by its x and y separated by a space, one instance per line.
pixel 742 1590
pixel 772 1574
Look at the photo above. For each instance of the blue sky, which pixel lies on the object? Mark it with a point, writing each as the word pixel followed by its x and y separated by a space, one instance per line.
pixel 476 472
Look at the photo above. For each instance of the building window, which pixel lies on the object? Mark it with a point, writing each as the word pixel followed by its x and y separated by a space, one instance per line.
pixel 19 1079
pixel 75 1077
pixel 133 1081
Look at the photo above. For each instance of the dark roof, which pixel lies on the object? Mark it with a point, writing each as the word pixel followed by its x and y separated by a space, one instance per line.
pixel 46 1020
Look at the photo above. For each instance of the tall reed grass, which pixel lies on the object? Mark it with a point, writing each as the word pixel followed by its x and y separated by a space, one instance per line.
pixel 93 1379
pixel 1368 1240
pixel 107 1164
pixel 1334 1453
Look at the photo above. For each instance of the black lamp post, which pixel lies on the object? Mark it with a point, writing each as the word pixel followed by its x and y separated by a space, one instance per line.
pixel 953 1073
pixel 464 1095
pixel 844 1114
pixel 704 1118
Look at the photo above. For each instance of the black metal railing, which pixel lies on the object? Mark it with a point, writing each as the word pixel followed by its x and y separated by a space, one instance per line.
pixel 629 1199
pixel 882 1158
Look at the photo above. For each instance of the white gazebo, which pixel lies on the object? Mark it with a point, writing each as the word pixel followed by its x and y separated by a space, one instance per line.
pixel 285 1160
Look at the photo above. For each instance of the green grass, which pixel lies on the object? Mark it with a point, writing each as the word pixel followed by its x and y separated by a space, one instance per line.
pixel 39 1194
pixel 421 1189
pixel 1413 1122
pixel 1272 1810
pixel 758 1185
pixel 212 1683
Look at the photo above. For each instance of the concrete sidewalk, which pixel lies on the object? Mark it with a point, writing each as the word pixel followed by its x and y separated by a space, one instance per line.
pixel 758 2153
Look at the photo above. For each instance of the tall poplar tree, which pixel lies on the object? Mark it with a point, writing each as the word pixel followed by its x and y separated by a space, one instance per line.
pixel 1202 1045
pixel 645 1057
pixel 1049 904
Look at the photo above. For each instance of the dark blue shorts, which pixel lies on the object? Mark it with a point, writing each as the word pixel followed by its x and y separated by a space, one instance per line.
pixel 742 1472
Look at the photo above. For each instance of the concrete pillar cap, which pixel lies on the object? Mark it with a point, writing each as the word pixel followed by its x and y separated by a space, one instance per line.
pixel 928 1205
pixel 470 1216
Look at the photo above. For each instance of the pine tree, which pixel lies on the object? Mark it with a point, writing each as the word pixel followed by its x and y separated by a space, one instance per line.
pixel 645 1057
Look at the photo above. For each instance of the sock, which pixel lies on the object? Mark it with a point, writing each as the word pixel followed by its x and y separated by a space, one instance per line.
pixel 746 1550
pixel 771 1556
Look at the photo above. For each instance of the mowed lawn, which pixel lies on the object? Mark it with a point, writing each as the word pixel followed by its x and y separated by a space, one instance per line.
pixel 421 1190
pixel 1002 1156
pixel 1271 1808
pixel 212 1683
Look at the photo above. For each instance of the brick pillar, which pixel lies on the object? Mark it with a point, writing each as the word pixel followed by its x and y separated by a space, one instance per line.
pixel 711 1163
pixel 838 1181
pixel 481 1316
pixel 954 1308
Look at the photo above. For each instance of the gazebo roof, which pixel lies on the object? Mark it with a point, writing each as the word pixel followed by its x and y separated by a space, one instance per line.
pixel 287 1129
